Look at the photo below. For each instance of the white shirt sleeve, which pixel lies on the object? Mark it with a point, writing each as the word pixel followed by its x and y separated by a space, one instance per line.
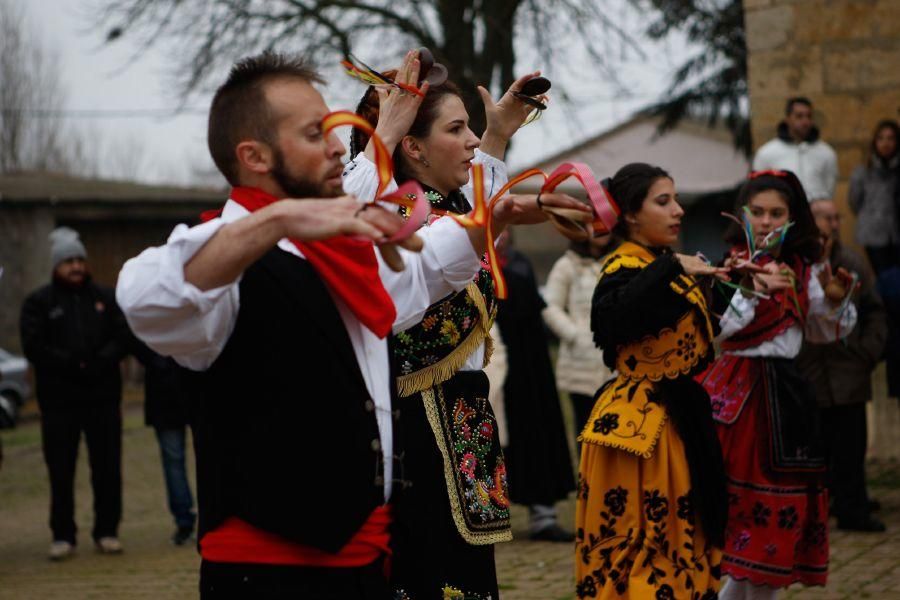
pixel 171 315
pixel 495 176
pixel 824 322
pixel 740 312
pixel 446 265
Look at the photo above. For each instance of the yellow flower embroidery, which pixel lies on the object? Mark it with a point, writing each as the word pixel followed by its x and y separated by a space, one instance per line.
pixel 448 328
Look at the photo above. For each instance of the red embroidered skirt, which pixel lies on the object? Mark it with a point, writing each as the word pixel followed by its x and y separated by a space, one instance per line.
pixel 777 530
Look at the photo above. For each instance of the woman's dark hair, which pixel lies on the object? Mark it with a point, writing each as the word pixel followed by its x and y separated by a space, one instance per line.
pixel 629 188
pixel 873 153
pixel 803 238
pixel 368 108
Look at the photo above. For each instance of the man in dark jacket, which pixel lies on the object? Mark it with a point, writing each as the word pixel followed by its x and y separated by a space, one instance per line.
pixel 75 335
pixel 841 375
pixel 166 403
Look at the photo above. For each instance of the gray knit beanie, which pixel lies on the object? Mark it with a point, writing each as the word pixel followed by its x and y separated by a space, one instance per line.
pixel 65 244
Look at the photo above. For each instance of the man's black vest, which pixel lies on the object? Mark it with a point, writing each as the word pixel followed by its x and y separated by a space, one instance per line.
pixel 285 428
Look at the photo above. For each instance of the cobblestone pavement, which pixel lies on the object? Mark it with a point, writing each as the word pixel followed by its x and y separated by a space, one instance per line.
pixel 863 565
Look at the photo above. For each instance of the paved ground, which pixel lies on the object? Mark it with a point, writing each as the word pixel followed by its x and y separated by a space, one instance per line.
pixel 863 566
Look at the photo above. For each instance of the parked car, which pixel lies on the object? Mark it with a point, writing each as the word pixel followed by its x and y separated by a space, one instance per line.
pixel 14 388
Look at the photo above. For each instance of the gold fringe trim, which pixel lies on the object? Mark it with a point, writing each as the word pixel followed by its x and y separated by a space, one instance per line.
pixel 444 369
pixel 486 321
pixel 441 371
pixel 473 538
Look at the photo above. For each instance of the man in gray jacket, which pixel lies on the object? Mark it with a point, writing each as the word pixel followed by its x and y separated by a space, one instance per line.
pixel 841 375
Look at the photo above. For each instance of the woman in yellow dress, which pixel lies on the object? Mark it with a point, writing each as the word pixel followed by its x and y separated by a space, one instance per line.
pixel 651 506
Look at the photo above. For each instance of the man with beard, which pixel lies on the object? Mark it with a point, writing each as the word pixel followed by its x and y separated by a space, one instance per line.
pixel 841 375
pixel 74 335
pixel 286 318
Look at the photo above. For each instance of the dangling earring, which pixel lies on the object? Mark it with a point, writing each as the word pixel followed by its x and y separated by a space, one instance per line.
pixel 424 161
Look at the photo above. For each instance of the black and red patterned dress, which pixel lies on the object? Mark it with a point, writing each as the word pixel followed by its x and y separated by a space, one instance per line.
pixel 777 531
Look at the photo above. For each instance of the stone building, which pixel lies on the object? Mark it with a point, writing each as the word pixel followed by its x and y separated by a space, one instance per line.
pixel 116 221
pixel 844 55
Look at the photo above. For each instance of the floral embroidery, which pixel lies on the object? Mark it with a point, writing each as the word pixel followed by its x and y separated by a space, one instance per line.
pixel 445 325
pixel 615 500
pixel 661 559
pixel 787 517
pixel 450 332
pixel 582 489
pixel 685 509
pixel 484 488
pixel 587 588
pixel 656 507
pixel 742 540
pixel 665 592
pixel 606 423
pixel 468 463
pixel 761 514
pixel 451 593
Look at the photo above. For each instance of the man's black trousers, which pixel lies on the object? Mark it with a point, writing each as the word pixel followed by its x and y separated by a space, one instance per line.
pixel 61 431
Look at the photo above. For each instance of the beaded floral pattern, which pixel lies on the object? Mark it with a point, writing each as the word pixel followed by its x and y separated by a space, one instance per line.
pixel 466 432
pixel 431 351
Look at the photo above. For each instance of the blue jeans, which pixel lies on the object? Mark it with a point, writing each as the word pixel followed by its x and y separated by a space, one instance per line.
pixel 181 502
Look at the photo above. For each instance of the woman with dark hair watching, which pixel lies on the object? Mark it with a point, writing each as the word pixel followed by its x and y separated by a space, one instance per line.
pixel 457 505
pixel 765 413
pixel 651 502
pixel 874 196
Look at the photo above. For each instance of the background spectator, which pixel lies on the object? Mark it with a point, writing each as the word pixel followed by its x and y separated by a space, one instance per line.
pixel 539 465
pixel 570 286
pixel 798 148
pixel 841 375
pixel 873 197
pixel 75 335
pixel 166 405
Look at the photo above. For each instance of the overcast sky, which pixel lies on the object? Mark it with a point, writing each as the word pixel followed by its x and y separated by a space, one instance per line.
pixel 172 148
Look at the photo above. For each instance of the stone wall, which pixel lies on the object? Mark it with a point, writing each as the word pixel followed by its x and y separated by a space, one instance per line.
pixel 842 54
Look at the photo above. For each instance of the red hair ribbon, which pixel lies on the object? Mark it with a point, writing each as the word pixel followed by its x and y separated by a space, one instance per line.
pixel 772 172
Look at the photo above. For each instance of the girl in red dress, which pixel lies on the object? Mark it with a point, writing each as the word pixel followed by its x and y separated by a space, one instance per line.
pixel 777 531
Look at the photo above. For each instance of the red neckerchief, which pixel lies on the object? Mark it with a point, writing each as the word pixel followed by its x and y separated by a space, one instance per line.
pixel 348 267
pixel 775 315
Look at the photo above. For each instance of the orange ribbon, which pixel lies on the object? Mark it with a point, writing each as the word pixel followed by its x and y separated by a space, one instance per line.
pixel 410 194
pixel 605 210
pixel 384 165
